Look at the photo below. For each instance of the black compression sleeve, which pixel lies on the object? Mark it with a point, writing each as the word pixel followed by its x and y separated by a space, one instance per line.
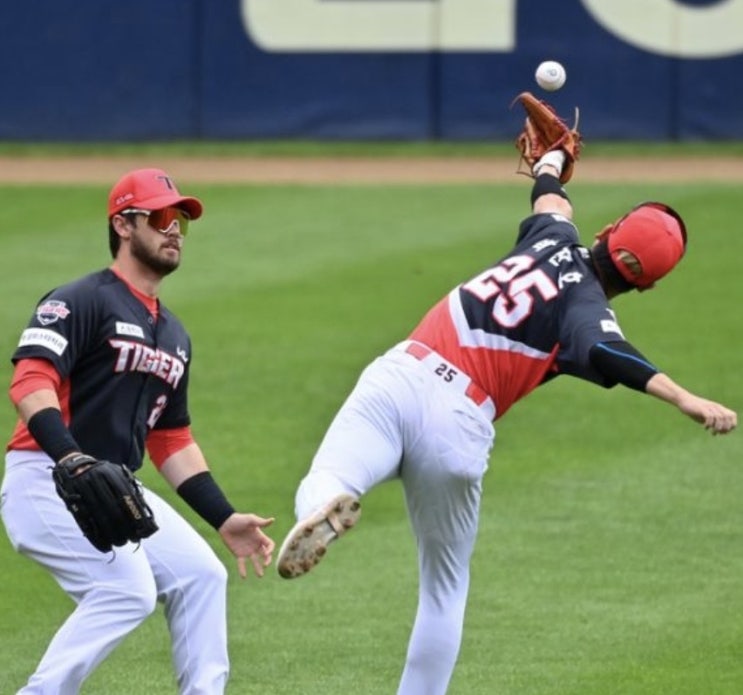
pixel 620 363
pixel 51 434
pixel 547 183
pixel 206 498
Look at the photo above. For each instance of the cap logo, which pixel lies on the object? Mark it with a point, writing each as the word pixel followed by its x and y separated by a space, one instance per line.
pixel 123 198
pixel 167 181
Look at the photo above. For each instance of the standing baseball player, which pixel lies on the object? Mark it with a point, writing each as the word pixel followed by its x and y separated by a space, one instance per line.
pixel 101 373
pixel 423 412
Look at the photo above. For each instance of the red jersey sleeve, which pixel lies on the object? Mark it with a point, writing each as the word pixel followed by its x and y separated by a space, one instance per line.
pixel 31 375
pixel 162 444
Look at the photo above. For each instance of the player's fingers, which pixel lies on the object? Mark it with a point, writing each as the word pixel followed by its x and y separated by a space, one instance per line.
pixel 721 421
pixel 733 419
pixel 260 521
pixel 257 565
pixel 241 568
pixel 725 425
pixel 267 544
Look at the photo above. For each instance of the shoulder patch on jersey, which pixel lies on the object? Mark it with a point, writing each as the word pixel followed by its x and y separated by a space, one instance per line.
pixel 43 337
pixel 611 326
pixel 130 329
pixel 560 218
pixel 544 244
pixel 51 311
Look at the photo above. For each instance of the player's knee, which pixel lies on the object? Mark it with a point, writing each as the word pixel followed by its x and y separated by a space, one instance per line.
pixel 208 577
pixel 214 575
pixel 136 602
pixel 143 604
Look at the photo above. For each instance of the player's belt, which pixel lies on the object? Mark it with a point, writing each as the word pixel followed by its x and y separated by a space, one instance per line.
pixel 450 374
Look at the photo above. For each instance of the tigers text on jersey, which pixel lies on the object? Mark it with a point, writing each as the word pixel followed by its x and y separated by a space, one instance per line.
pixel 534 314
pixel 124 371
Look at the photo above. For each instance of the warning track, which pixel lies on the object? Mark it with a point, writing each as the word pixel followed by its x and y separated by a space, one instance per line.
pixel 357 170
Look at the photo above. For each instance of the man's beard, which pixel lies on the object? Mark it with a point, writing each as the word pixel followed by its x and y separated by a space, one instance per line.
pixel 161 266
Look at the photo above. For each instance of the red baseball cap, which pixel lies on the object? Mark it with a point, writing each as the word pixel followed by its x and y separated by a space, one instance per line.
pixel 654 234
pixel 150 189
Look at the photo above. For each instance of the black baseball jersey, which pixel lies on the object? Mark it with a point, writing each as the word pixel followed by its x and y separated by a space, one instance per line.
pixel 534 314
pixel 124 371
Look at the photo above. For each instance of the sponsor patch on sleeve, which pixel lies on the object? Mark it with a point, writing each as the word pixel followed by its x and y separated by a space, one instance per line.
pixel 43 337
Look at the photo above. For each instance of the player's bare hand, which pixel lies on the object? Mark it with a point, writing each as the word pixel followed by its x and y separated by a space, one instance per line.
pixel 715 417
pixel 243 535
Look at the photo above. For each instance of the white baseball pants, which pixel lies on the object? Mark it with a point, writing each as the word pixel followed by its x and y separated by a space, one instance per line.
pixel 403 420
pixel 114 593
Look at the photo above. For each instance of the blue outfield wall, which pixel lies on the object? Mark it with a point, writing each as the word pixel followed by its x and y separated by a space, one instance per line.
pixel 93 70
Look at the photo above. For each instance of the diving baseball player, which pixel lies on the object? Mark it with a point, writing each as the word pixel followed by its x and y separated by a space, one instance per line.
pixel 423 412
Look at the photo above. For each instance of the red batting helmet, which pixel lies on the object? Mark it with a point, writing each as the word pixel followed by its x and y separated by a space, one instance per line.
pixel 654 234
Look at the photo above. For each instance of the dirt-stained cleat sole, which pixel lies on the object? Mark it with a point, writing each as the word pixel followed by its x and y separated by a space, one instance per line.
pixel 307 543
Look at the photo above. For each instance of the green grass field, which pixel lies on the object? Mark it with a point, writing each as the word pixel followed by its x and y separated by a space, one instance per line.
pixel 609 557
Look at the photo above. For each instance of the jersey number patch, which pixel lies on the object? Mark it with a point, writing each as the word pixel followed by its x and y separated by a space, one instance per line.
pixel 514 286
pixel 446 372
pixel 157 411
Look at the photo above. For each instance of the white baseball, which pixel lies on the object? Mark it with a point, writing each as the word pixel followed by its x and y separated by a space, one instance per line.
pixel 550 75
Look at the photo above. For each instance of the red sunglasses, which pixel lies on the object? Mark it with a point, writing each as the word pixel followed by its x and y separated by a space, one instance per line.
pixel 163 221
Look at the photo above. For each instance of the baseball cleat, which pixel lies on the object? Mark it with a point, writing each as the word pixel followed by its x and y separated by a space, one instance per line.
pixel 308 541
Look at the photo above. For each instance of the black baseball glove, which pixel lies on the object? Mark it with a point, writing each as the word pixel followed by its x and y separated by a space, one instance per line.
pixel 106 500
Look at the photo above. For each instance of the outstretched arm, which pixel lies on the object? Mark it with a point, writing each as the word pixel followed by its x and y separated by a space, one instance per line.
pixel 714 416
pixel 547 194
pixel 620 363
pixel 188 473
